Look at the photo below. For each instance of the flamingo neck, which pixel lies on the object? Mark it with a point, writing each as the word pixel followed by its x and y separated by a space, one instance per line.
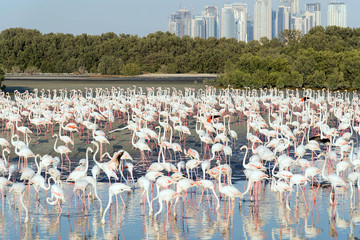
pixel 55 142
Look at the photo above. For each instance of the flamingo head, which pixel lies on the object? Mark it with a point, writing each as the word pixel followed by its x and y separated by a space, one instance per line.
pixel 243 147
pixel 264 176
pixel 172 181
pixel 176 195
pixel 7 150
pixel 158 174
pixel 194 184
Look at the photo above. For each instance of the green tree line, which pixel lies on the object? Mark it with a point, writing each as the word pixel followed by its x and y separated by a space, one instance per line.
pixel 325 57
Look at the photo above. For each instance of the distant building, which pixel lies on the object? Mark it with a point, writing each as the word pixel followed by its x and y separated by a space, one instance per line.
pixel 293 4
pixel 274 24
pixel 180 23
pixel 198 27
pixel 250 29
pixel 228 29
pixel 308 21
pixel 262 19
pixel 234 21
pixel 211 16
pixel 315 8
pixel 337 14
pixel 284 17
pixel 240 16
pixel 297 22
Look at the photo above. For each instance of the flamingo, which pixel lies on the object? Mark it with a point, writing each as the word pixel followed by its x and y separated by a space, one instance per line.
pixel 190 165
pixel 111 166
pixel 144 183
pixel 229 191
pixel 95 171
pixel 207 184
pixel 102 140
pixel 61 149
pixel 141 145
pixel 3 183
pixel 19 189
pixel 80 171
pixel 254 176
pixel 58 193
pixel 38 182
pixel 352 178
pixel 281 187
pixel 115 189
pixel 166 195
pixel 334 180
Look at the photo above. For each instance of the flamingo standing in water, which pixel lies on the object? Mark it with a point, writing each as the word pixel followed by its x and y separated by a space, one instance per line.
pixel 58 193
pixel 207 184
pixel 166 195
pixel 3 183
pixel 229 191
pixel 334 180
pixel 19 189
pixel 111 167
pixel 144 183
pixel 115 189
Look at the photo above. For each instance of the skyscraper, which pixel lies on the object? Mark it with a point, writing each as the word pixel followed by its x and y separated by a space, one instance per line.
pixel 262 20
pixel 309 19
pixel 228 22
pixel 198 27
pixel 240 16
pixel 315 8
pixel 250 29
pixel 293 4
pixel 337 14
pixel 297 22
pixel 284 17
pixel 274 24
pixel 180 23
pixel 211 16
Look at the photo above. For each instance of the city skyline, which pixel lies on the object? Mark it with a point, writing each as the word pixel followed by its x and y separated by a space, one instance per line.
pixel 268 22
pixel 139 17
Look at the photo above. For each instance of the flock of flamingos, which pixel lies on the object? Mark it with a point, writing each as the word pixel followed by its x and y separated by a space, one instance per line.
pixel 304 138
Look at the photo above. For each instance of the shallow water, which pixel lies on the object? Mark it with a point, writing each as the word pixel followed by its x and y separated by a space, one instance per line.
pixel 267 220
pixel 262 219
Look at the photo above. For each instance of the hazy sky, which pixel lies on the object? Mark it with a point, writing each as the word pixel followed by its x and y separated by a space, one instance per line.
pixel 120 16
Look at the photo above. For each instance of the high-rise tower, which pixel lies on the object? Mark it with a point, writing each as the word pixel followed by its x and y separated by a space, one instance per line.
pixel 309 20
pixel 198 27
pixel 240 16
pixel 228 22
pixel 337 14
pixel 293 4
pixel 315 8
pixel 180 23
pixel 211 16
pixel 284 17
pixel 262 19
